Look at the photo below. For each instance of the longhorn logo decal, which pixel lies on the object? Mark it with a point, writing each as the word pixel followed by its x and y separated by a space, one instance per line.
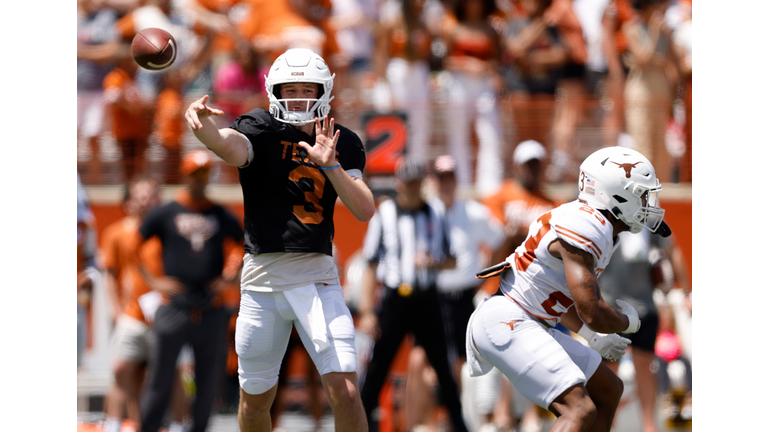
pixel 511 324
pixel 627 167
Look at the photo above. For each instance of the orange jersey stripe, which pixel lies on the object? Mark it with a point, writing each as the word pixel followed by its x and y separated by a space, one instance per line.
pixel 580 239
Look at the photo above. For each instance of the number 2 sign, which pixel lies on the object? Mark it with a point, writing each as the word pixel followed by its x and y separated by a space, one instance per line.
pixel 386 136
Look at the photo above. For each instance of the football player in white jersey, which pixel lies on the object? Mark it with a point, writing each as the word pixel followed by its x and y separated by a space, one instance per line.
pixel 557 267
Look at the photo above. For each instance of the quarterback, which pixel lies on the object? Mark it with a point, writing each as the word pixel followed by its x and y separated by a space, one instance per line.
pixel 551 278
pixel 292 167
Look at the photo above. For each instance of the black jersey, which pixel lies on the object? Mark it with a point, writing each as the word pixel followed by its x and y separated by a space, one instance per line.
pixel 193 245
pixel 288 199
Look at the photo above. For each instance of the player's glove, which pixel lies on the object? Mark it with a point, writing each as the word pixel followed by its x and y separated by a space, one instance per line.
pixel 631 313
pixel 610 346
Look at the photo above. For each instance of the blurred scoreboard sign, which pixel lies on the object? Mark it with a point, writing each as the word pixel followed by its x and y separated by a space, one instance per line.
pixel 386 138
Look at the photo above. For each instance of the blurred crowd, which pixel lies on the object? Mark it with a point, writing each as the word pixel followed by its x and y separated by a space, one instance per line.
pixel 477 80
pixel 474 77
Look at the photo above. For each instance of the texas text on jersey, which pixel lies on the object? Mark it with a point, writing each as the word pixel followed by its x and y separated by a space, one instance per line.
pixel 536 281
pixel 299 198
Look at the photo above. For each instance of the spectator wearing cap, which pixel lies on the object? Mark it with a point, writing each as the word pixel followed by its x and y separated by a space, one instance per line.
pixel 410 240
pixel 520 200
pixel 193 232
pixel 473 233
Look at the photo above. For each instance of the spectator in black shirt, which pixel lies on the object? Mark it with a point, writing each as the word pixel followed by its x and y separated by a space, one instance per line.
pixel 192 231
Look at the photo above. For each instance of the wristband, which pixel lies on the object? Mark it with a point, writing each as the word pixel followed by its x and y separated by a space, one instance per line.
pixel 585 332
pixel 634 324
pixel 338 164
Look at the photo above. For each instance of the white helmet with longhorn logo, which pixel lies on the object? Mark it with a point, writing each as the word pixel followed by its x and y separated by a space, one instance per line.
pixel 622 181
pixel 299 65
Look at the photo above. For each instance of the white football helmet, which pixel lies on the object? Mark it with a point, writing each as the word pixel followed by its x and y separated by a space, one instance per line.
pixel 299 65
pixel 622 181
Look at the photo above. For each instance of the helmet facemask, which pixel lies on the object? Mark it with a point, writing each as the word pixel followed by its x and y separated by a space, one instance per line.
pixel 647 214
pixel 318 107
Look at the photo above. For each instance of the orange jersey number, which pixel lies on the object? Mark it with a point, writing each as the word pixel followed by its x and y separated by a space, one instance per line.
pixel 312 182
pixel 592 211
pixel 523 261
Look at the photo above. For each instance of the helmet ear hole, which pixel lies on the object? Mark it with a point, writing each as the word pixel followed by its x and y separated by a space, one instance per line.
pixel 620 199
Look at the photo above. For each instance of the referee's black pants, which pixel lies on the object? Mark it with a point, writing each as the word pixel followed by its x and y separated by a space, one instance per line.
pixel 419 314
pixel 174 326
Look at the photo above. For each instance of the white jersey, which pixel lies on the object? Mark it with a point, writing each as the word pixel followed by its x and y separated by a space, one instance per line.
pixel 536 279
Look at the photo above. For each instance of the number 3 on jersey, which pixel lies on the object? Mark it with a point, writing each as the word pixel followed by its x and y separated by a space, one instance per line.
pixel 312 183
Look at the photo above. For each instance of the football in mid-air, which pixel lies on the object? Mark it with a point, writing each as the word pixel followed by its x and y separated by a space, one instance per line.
pixel 154 49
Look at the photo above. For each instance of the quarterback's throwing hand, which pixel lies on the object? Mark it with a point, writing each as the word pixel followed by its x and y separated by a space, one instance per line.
pixel 323 152
pixel 199 110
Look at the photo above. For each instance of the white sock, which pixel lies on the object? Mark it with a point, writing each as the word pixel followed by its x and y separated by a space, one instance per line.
pixel 112 424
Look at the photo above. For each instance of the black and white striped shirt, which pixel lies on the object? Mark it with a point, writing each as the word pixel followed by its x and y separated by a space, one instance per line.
pixel 395 235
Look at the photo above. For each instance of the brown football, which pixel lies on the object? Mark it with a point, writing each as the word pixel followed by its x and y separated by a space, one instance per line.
pixel 154 49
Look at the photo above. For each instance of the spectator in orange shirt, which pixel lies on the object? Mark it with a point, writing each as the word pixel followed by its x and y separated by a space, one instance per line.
pixel 131 116
pixel 520 200
pixel 130 301
pixel 169 123
pixel 273 26
pixel 318 13
pixel 214 15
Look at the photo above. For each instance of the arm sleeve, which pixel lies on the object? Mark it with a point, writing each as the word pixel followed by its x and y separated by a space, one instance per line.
pixel 250 125
pixel 352 152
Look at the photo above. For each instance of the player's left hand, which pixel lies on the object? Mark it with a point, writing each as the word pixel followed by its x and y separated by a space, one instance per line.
pixel 323 153
pixel 610 346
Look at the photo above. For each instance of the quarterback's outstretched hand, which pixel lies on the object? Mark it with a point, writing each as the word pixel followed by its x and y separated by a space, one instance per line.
pixel 631 313
pixel 323 153
pixel 199 110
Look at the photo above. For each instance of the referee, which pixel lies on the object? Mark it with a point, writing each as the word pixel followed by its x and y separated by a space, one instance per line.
pixel 406 244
